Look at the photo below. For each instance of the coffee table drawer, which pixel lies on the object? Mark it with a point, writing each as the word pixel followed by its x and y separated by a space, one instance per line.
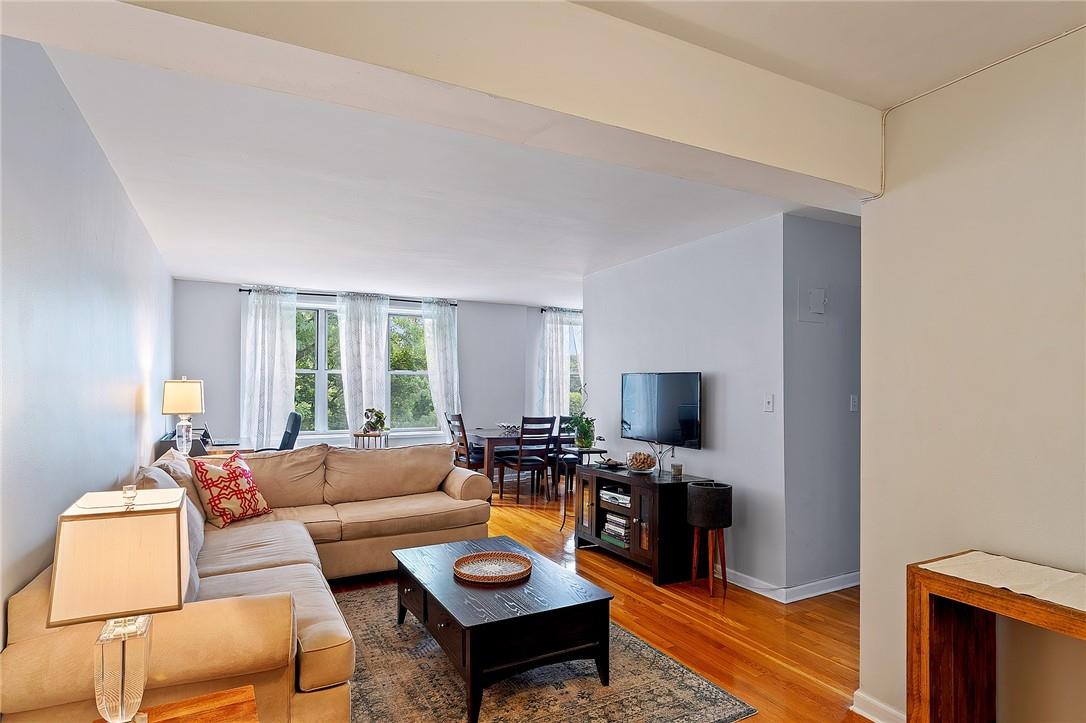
pixel 411 594
pixel 446 631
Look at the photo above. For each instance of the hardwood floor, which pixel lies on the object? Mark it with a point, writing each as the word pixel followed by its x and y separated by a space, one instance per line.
pixel 797 662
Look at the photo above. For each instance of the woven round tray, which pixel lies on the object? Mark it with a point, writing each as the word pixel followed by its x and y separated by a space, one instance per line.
pixel 492 567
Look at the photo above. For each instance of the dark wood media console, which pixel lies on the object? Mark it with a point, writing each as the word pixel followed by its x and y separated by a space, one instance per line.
pixel 659 537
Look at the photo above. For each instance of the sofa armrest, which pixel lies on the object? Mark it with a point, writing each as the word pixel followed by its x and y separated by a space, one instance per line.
pixel 464 484
pixel 205 640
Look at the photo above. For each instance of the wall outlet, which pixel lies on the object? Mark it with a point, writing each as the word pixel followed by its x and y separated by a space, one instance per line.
pixel 768 403
pixel 853 403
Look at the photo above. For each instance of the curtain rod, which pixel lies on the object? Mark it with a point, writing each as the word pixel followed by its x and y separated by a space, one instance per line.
pixel 330 295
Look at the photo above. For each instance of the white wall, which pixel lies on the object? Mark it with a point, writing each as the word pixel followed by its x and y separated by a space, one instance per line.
pixel 207 329
pixel 86 316
pixel 493 341
pixel 974 411
pixel 495 345
pixel 713 306
pixel 821 370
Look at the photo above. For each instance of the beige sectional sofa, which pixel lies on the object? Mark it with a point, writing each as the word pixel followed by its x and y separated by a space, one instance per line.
pixel 259 610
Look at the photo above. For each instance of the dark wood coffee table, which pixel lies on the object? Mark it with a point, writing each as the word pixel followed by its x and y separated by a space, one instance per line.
pixel 491 632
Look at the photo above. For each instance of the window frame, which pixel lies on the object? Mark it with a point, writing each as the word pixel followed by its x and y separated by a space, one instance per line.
pixel 320 374
pixel 390 372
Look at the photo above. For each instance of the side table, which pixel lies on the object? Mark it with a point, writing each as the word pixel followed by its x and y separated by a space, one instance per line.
pixel 237 705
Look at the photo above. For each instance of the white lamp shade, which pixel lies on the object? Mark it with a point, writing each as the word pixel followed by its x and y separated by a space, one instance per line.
pixel 115 561
pixel 183 396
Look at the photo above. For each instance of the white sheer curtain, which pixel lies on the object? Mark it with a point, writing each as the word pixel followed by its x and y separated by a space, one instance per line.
pixel 442 366
pixel 363 344
pixel 267 363
pixel 563 339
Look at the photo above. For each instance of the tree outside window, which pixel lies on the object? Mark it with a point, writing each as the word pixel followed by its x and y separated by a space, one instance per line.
pixel 411 405
pixel 318 379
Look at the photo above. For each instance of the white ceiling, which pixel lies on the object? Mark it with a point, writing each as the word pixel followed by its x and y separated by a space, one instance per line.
pixel 878 53
pixel 246 185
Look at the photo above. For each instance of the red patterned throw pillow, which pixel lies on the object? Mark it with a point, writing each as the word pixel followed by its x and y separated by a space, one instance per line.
pixel 228 493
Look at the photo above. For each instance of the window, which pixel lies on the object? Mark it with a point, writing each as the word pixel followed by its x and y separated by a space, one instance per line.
pixel 318 379
pixel 576 386
pixel 410 403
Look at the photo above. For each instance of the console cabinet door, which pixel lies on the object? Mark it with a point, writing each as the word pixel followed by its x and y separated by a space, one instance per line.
pixel 643 522
pixel 586 505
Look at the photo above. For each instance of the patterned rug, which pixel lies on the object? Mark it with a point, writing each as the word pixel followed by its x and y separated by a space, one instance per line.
pixel 402 676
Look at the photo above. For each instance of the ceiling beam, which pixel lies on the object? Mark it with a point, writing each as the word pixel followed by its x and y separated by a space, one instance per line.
pixel 551 75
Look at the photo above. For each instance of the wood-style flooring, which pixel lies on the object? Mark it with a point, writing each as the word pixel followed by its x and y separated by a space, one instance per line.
pixel 797 662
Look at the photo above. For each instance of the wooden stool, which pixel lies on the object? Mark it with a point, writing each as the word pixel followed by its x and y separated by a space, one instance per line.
pixel 709 507
pixel 716 544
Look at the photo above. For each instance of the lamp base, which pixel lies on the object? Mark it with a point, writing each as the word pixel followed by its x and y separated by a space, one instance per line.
pixel 183 436
pixel 121 654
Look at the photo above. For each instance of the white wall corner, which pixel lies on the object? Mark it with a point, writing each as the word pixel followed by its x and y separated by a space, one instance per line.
pixel 875 710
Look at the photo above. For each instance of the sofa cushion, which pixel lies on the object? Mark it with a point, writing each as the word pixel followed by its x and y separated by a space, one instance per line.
pixel 325 646
pixel 370 474
pixel 411 513
pixel 156 478
pixel 177 466
pixel 227 490
pixel 290 478
pixel 321 520
pixel 254 547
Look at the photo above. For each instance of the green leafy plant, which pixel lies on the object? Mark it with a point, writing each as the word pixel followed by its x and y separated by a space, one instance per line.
pixel 375 421
pixel 584 429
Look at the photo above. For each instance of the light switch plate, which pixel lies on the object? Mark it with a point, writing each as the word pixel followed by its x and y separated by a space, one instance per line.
pixel 853 403
pixel 768 403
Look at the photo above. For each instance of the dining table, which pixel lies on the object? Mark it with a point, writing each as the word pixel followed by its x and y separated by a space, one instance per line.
pixel 489 439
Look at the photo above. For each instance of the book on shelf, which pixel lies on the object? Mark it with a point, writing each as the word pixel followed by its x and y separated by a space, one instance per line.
pixel 621 532
pixel 614 541
pixel 618 519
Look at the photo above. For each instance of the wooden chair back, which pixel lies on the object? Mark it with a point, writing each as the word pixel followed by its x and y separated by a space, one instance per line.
pixel 460 435
pixel 536 437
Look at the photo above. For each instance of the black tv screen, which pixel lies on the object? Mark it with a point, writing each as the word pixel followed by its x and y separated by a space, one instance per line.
pixel 663 408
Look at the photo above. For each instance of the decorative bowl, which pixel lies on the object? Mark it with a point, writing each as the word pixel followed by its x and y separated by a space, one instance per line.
pixel 640 462
pixel 492 567
pixel 509 428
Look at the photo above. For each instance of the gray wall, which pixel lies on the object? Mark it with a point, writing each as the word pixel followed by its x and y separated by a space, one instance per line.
pixel 713 306
pixel 821 370
pixel 496 342
pixel 727 306
pixel 86 317
pixel 207 329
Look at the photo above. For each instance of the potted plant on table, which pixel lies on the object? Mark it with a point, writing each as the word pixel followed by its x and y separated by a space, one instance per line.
pixel 584 429
pixel 375 421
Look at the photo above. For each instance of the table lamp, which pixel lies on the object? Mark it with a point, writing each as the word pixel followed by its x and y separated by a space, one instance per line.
pixel 183 397
pixel 120 556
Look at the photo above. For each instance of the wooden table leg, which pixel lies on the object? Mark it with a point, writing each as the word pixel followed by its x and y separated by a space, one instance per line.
pixel 488 458
pixel 951 647
pixel 723 561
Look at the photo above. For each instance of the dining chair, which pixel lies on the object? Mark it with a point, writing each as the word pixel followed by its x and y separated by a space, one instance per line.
pixel 467 456
pixel 535 443
pixel 561 462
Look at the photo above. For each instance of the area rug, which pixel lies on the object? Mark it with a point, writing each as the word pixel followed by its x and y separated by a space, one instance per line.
pixel 402 676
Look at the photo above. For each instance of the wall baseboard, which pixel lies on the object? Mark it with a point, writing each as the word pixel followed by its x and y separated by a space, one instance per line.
pixel 796 592
pixel 875 710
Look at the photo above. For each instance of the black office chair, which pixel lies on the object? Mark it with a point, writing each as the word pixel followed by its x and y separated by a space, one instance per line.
pixel 290 434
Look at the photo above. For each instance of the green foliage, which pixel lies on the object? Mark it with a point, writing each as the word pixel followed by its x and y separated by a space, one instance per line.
pixel 412 405
pixel 305 399
pixel 306 340
pixel 584 429
pixel 406 344
pixel 332 345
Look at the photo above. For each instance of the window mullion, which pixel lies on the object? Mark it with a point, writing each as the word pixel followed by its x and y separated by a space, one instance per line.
pixel 320 412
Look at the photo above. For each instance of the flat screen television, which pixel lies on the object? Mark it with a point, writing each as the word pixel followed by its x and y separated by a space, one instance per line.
pixel 662 408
